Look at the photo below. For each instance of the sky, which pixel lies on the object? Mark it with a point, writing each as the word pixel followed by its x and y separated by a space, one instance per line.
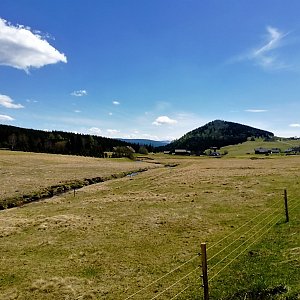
pixel 151 69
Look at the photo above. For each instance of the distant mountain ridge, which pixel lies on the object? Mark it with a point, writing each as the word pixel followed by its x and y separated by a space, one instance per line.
pixel 217 133
pixel 146 142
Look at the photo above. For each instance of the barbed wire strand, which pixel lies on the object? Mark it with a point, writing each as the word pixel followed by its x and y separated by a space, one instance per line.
pixel 194 257
pixel 185 276
pixel 243 234
pixel 232 243
pixel 241 252
pixel 244 249
pixel 242 243
pixel 162 277
pixel 291 209
pixel 215 244
pixel 174 297
pixel 180 292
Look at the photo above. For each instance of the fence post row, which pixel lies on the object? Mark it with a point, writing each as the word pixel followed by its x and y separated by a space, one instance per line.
pixel 204 270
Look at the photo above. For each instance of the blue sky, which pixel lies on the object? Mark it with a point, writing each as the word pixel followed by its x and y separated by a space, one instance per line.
pixel 149 68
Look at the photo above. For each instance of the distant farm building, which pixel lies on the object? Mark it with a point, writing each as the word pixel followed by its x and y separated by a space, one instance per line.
pixel 261 150
pixel 182 152
pixel 214 148
pixel 267 151
pixel 275 150
pixel 292 151
pixel 215 154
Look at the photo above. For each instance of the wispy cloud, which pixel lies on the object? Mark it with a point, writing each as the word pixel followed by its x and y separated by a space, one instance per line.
pixel 256 110
pixel 164 120
pixel 4 118
pixel 77 111
pixel 267 55
pixel 79 93
pixel 7 102
pixel 116 102
pixel 31 101
pixel 22 48
pixel 295 125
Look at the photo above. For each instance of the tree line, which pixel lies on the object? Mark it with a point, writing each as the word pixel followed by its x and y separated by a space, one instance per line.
pixel 59 142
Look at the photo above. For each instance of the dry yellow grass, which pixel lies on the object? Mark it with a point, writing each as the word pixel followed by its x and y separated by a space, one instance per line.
pixel 114 238
pixel 23 172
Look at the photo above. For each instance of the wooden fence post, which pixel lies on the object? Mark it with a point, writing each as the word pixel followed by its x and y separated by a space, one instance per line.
pixel 286 206
pixel 204 270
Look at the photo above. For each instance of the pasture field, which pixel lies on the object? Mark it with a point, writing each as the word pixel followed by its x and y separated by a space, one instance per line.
pixel 113 239
pixel 249 146
pixel 24 173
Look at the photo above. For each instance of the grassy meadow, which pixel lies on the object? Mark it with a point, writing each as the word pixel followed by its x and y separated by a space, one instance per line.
pixel 115 238
pixel 248 147
pixel 24 173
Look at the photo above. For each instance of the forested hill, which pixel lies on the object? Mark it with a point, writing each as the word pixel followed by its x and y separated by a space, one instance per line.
pixel 217 134
pixel 59 142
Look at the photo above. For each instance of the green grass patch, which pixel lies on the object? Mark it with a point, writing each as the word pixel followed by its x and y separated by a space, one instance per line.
pixel 247 148
pixel 269 269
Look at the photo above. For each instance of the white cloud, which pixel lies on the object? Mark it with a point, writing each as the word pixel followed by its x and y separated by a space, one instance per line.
pixel 77 111
pixel 273 41
pixel 110 113
pixel 7 102
pixel 6 118
pixel 256 110
pixel 95 131
pixel 265 55
pixel 162 120
pixel 112 131
pixel 21 48
pixel 79 93
pixel 116 103
pixel 294 125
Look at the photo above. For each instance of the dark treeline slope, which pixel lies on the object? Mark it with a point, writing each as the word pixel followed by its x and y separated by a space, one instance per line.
pixel 217 133
pixel 58 142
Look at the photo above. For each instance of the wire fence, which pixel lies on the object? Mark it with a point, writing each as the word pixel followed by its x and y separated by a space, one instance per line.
pixel 261 224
